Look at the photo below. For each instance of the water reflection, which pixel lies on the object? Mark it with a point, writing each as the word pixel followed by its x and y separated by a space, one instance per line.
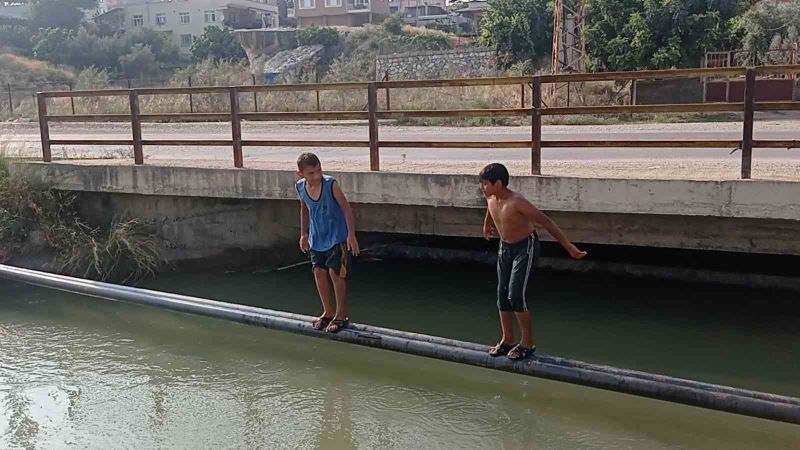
pixel 336 421
pixel 94 374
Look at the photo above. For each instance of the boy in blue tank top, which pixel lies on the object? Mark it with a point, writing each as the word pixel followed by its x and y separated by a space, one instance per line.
pixel 328 233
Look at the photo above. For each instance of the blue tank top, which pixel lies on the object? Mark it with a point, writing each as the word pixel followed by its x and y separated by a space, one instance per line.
pixel 327 226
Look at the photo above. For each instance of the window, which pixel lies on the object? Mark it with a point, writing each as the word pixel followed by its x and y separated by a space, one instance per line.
pixel 186 40
pixel 211 16
pixel 161 19
pixel 138 20
pixel 185 19
pixel 308 4
pixel 333 3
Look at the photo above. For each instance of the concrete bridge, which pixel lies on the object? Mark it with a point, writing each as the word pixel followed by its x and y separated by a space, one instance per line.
pixel 207 213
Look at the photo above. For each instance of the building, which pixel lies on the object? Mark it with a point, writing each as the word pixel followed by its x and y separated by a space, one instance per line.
pixel 359 12
pixel 185 20
pixel 473 12
pixel 351 13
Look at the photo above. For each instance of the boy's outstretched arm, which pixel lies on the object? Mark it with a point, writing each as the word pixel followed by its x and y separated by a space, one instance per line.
pixel 534 215
pixel 352 242
pixel 304 247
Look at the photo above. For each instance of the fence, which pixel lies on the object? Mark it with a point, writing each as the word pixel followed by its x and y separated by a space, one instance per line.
pixel 732 58
pixel 372 114
pixel 13 94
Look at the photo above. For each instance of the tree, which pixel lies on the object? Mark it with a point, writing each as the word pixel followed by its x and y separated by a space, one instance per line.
pixel 393 24
pixel 519 30
pixel 139 63
pixel 83 49
pixel 15 34
pixel 657 34
pixel 217 44
pixel 58 13
pixel 164 50
pixel 50 45
pixel 769 26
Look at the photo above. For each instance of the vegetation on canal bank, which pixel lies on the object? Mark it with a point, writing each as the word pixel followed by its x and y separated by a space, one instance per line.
pixel 37 219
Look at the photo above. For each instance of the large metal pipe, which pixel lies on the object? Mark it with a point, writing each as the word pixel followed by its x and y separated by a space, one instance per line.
pixel 706 395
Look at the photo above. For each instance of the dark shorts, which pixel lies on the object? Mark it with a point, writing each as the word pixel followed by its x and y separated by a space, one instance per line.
pixel 336 259
pixel 515 265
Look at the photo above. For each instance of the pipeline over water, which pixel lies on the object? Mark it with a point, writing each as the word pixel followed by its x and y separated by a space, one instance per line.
pixel 705 395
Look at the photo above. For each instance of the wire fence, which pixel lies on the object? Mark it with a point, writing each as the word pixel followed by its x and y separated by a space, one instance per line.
pixel 16 97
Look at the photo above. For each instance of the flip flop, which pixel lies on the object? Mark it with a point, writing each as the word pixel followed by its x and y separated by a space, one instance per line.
pixel 321 323
pixel 500 349
pixel 519 352
pixel 337 325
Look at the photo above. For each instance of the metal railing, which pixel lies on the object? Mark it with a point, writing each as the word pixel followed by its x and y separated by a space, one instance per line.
pixel 373 114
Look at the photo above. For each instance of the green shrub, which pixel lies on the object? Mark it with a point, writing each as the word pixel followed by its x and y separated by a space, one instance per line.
pixel 431 40
pixel 37 216
pixel 393 24
pixel 325 36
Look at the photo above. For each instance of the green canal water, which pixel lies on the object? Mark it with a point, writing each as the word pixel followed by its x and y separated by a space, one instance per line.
pixel 77 372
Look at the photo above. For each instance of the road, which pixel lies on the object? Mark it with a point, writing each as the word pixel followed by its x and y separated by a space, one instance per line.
pixel 22 139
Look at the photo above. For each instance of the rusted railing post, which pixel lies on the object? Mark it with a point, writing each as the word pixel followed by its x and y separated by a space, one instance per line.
pixel 191 99
pixel 316 79
pixel 747 132
pixel 44 127
pixel 388 98
pixel 72 100
pixel 255 95
pixel 536 126
pixel 522 95
pixel 569 88
pixel 136 128
pixel 236 129
pixel 372 114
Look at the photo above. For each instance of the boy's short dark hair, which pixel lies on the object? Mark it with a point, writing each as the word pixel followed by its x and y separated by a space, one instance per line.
pixel 307 160
pixel 494 172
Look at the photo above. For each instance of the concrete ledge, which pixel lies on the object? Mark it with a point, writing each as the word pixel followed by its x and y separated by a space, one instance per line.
pixel 746 199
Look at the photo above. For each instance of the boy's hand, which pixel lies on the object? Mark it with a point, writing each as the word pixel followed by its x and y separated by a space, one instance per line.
pixel 575 253
pixel 352 244
pixel 488 232
pixel 304 247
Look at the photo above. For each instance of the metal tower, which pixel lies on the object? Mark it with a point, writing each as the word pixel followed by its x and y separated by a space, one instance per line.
pixel 569 49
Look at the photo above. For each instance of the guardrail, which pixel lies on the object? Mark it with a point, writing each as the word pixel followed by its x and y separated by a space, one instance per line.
pixel 373 114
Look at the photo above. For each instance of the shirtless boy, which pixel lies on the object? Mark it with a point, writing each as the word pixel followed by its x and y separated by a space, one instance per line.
pixel 514 218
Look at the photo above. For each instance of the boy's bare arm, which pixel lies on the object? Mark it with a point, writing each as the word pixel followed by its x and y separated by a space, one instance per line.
pixel 303 227
pixel 534 215
pixel 488 226
pixel 352 242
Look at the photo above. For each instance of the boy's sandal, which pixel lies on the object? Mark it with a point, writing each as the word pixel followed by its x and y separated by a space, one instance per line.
pixel 519 352
pixel 500 349
pixel 321 323
pixel 337 325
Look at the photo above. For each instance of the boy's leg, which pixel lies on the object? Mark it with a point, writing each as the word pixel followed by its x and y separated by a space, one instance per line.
pixel 340 288
pixel 504 266
pixel 523 266
pixel 325 292
pixel 525 329
pixel 339 266
pixel 507 327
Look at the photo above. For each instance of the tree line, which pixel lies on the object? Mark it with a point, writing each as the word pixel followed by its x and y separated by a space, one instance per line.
pixel 619 34
pixel 645 34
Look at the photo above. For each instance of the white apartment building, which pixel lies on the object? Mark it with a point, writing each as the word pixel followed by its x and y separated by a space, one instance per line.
pixel 185 20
